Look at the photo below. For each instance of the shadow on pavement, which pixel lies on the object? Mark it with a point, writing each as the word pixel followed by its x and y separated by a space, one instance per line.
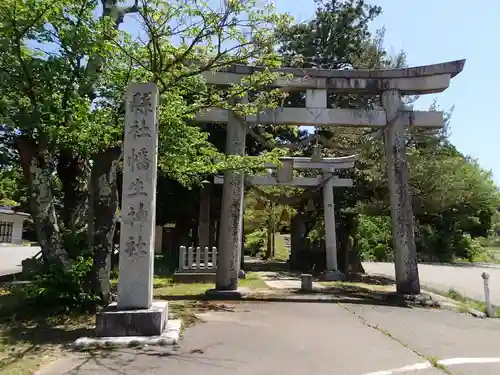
pixel 124 361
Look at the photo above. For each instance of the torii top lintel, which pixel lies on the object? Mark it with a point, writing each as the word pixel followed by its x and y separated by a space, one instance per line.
pixel 415 80
pixel 451 67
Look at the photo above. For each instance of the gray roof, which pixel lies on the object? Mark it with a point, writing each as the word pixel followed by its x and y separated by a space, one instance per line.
pixel 9 211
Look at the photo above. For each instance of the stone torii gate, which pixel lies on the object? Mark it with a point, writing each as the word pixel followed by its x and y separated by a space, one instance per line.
pixel 327 180
pixel 393 117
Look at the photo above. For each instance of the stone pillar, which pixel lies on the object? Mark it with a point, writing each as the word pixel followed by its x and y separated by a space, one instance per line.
pixel 135 285
pixel 136 314
pixel 332 272
pixel 204 216
pixel 403 234
pixel 231 216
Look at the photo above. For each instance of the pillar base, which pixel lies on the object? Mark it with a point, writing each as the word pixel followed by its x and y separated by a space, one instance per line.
pixel 333 275
pixel 111 322
pixel 169 336
pixel 227 294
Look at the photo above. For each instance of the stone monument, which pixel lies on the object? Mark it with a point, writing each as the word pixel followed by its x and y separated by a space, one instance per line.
pixel 136 314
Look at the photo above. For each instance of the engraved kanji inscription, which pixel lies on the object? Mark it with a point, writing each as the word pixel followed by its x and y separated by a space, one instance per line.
pixel 136 188
pixel 141 101
pixel 139 160
pixel 134 248
pixel 140 129
pixel 139 215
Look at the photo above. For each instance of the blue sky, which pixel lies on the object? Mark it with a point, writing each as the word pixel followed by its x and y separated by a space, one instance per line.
pixel 435 31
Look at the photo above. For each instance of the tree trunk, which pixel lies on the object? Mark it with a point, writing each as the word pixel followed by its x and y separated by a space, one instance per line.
pixel 355 259
pixel 355 265
pixel 298 242
pixel 103 204
pixel 74 174
pixel 37 170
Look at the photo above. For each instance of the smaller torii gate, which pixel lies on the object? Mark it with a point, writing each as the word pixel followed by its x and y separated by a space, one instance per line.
pixel 327 179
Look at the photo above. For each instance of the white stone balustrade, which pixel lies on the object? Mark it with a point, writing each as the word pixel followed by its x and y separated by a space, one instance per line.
pixel 197 259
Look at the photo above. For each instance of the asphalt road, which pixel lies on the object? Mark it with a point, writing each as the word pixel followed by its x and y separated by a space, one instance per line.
pixel 12 256
pixel 464 278
pixel 310 338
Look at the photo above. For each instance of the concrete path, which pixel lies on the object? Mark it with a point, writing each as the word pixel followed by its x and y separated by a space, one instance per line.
pixel 12 256
pixel 464 278
pixel 464 344
pixel 310 338
pixel 276 280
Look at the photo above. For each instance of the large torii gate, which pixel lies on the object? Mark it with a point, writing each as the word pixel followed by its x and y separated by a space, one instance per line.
pixel 393 117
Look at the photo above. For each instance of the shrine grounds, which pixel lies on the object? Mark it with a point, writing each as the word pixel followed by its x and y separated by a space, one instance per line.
pixel 354 327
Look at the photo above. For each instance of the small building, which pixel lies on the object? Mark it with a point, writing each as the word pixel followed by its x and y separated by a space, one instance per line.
pixel 11 225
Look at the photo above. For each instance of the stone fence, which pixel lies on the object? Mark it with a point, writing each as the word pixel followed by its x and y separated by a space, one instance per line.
pixel 192 259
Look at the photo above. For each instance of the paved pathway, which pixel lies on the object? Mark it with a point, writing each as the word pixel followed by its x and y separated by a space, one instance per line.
pixel 12 256
pixel 277 280
pixel 311 338
pixel 359 337
pixel 464 278
pixel 464 344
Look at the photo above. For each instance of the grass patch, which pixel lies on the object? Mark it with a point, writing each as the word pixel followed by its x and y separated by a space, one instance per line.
pixel 168 288
pixel 494 252
pixel 281 252
pixel 435 363
pixel 165 287
pixel 466 303
pixel 253 281
pixel 29 337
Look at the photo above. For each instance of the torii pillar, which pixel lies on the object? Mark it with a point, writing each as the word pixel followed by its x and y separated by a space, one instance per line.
pixel 332 272
pixel 231 215
pixel 403 223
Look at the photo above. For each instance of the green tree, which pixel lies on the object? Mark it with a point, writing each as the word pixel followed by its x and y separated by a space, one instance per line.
pixel 64 69
pixel 264 216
